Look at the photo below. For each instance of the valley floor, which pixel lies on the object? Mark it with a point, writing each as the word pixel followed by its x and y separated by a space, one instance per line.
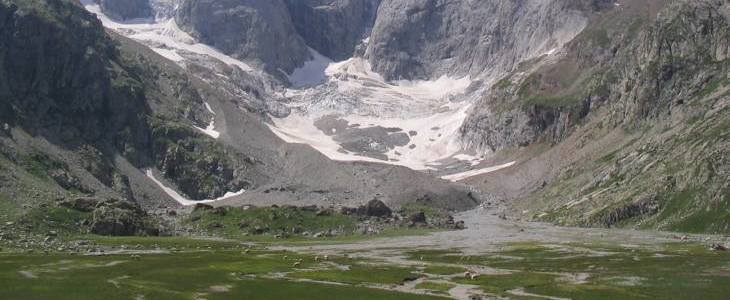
pixel 510 260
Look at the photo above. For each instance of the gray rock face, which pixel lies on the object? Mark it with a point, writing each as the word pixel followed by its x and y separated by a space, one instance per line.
pixel 164 9
pixel 126 9
pixel 333 27
pixel 537 103
pixel 422 39
pixel 253 30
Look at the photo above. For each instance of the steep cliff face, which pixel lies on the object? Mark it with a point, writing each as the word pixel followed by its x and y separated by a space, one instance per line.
pixel 422 39
pixel 661 83
pixel 65 81
pixel 254 30
pixel 126 9
pixel 333 27
pixel 640 70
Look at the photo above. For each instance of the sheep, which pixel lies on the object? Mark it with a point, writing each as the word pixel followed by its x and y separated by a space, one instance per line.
pixel 471 275
pixel 297 264
pixel 326 257
pixel 316 258
pixel 286 257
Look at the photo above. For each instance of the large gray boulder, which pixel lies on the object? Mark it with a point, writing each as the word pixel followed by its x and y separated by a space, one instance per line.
pixel 126 9
pixel 260 31
pixel 333 27
pixel 422 39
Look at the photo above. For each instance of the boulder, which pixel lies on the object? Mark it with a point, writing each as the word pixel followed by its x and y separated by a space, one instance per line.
pixel 418 218
pixel 83 204
pixel 109 216
pixel 115 222
pixel 202 207
pixel 718 247
pixel 348 211
pixel 375 208
pixel 459 225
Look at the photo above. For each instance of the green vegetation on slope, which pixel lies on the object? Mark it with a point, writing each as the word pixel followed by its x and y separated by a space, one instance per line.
pixel 284 221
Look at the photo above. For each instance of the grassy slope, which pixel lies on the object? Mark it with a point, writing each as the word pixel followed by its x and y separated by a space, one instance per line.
pixel 670 172
pixel 236 222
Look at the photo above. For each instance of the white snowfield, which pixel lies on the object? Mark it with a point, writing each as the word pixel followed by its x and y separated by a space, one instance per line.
pixel 210 130
pixel 181 199
pixel 420 106
pixel 162 36
pixel 464 175
pixel 356 94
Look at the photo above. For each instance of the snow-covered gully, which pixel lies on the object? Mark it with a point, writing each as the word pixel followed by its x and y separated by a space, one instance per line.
pixel 185 201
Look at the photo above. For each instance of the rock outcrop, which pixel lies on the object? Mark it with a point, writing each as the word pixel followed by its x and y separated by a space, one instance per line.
pixel 375 208
pixel 254 30
pixel 112 217
pixel 126 9
pixel 333 27
pixel 424 39
pixel 640 71
pixel 654 95
pixel 76 87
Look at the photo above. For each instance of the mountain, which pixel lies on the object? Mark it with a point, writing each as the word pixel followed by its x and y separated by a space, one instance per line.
pixel 639 113
pixel 246 29
pixel 88 112
pixel 427 39
pixel 333 27
pixel 581 112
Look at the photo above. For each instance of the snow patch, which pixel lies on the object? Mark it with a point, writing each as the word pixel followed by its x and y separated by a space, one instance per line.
pixel 210 130
pixel 473 160
pixel 464 175
pixel 181 199
pixel 169 54
pixel 166 38
pixel 551 51
pixel 207 106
